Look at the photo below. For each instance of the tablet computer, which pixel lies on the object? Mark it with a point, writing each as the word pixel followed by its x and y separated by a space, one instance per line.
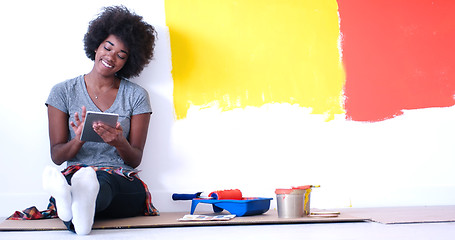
pixel 88 134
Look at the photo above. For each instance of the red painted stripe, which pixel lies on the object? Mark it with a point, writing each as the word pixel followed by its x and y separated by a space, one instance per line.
pixel 398 55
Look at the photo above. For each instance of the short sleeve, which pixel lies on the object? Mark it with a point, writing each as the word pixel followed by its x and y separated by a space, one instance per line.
pixel 58 98
pixel 142 103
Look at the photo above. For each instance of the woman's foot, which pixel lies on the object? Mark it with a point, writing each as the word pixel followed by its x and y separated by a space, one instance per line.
pixel 55 183
pixel 84 189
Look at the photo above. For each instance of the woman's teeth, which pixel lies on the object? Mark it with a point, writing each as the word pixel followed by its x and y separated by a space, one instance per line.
pixel 106 64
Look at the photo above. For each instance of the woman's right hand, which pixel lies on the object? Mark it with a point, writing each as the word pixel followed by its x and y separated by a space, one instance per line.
pixel 62 149
pixel 79 125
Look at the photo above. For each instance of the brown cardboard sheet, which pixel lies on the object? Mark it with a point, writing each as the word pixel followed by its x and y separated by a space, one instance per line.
pixel 396 215
pixel 170 219
pixel 386 215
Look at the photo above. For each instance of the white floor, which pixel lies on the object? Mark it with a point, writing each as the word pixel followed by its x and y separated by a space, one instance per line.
pixel 352 231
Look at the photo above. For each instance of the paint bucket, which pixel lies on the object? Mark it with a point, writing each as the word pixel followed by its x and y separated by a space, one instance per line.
pixel 294 202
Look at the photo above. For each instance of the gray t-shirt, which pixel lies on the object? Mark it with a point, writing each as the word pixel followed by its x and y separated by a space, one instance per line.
pixel 69 97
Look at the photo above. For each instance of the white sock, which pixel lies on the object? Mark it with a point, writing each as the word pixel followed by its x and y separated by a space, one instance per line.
pixel 84 189
pixel 55 183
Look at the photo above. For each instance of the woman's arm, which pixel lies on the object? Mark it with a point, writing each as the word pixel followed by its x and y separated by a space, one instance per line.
pixel 61 149
pixel 130 152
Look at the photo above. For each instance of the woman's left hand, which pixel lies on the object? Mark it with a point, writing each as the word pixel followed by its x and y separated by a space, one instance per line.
pixel 110 135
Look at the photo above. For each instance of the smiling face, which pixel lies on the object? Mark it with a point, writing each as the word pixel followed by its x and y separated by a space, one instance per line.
pixel 110 56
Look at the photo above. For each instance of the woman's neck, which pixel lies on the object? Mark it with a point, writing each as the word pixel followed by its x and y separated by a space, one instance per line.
pixel 99 82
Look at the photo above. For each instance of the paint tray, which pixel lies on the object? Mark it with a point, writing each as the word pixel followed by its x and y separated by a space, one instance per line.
pixel 245 207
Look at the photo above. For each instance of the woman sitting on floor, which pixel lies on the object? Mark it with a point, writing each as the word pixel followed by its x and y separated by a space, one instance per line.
pixel 101 180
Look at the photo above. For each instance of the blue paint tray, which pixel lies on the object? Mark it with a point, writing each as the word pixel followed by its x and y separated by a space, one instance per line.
pixel 244 207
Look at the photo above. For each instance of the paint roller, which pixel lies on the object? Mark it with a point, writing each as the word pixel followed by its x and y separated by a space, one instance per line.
pixel 231 194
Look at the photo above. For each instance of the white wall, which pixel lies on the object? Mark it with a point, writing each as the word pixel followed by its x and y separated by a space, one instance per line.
pixel 408 160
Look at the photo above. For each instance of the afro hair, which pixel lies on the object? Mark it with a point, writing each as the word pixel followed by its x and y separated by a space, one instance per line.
pixel 136 34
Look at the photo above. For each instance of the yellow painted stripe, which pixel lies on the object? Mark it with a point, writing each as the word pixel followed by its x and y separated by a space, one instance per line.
pixel 232 54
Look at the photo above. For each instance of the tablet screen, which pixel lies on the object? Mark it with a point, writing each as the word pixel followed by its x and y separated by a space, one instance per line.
pixel 88 134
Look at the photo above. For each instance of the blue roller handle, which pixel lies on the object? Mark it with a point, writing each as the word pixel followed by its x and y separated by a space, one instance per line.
pixel 185 196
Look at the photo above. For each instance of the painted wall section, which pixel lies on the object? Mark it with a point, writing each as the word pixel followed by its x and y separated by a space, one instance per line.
pixel 232 54
pixel 398 55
